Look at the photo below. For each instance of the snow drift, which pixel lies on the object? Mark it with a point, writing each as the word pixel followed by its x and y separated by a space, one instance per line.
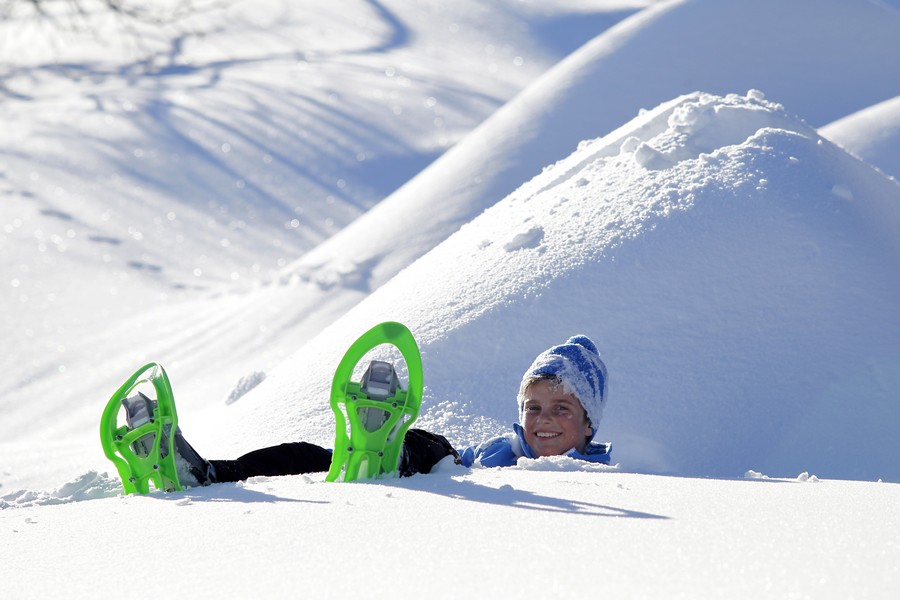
pixel 819 72
pixel 737 271
pixel 873 134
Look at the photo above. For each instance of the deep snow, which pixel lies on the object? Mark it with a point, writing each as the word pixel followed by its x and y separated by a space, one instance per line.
pixel 464 536
pixel 713 248
pixel 737 271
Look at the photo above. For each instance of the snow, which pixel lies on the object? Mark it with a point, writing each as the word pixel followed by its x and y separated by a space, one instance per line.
pixel 297 535
pixel 627 246
pixel 244 192
pixel 873 134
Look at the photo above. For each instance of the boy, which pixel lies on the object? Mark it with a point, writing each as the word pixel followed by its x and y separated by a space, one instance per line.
pixel 561 399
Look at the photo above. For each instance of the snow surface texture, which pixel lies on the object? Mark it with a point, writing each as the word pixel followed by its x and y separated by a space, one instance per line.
pixel 873 134
pixel 737 271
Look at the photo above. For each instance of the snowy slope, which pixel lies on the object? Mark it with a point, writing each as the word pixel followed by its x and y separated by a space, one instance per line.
pixel 790 51
pixel 714 247
pixel 69 352
pixel 737 271
pixel 873 134
pixel 152 191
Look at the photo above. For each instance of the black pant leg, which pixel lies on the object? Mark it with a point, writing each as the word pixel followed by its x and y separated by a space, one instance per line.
pixel 285 459
pixel 422 450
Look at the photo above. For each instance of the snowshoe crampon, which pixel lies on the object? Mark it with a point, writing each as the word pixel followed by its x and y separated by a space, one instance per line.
pixel 143 452
pixel 373 415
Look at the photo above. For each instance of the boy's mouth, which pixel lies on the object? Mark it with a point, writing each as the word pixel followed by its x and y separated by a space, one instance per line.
pixel 546 434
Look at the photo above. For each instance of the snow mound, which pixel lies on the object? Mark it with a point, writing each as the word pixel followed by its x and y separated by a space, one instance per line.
pixel 669 49
pixel 705 250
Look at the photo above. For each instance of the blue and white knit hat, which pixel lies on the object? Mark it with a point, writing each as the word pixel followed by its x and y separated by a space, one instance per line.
pixel 577 365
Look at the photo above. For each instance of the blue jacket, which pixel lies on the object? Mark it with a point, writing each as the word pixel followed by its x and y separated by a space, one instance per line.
pixel 505 451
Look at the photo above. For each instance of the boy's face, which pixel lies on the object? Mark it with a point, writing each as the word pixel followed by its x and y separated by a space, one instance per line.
pixel 554 421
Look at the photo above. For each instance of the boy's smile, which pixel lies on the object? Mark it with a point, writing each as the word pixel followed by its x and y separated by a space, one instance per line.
pixel 554 421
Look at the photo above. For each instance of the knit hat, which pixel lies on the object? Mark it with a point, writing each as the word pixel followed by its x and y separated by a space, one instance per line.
pixel 577 365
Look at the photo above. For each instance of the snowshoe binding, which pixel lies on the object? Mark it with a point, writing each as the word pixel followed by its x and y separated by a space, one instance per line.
pixel 377 411
pixel 144 450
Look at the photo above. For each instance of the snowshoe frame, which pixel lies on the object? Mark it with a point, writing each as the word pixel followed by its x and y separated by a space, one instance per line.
pixel 373 454
pixel 137 472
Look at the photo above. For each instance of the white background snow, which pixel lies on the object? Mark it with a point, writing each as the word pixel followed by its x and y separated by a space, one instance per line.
pixel 707 189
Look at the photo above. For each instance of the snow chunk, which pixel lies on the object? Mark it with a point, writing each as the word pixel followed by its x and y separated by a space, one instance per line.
pixel 89 486
pixel 751 474
pixel 562 463
pixel 630 144
pixel 756 95
pixel 526 239
pixel 650 158
pixel 806 477
pixel 244 385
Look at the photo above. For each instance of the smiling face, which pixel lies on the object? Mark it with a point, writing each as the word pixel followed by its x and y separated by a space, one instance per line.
pixel 554 421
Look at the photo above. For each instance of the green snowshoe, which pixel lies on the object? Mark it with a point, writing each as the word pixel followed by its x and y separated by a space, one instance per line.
pixel 144 450
pixel 377 409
